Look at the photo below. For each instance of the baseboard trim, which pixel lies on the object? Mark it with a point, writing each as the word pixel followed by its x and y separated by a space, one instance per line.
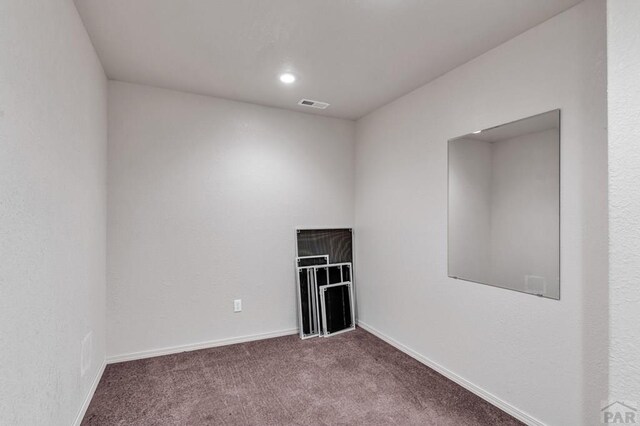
pixel 487 396
pixel 89 397
pixel 196 346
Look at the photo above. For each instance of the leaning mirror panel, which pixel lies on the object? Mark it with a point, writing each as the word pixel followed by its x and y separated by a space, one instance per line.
pixel 504 206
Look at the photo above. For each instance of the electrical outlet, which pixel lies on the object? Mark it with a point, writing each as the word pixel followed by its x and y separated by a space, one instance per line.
pixel 85 353
pixel 237 305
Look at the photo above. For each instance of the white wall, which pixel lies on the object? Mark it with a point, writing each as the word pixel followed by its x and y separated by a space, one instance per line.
pixel 470 210
pixel 204 198
pixel 545 357
pixel 53 130
pixel 623 46
pixel 524 212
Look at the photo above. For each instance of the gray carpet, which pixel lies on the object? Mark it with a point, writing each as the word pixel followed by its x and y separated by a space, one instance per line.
pixel 352 378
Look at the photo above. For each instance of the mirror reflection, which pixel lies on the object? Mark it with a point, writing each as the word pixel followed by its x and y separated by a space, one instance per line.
pixel 504 206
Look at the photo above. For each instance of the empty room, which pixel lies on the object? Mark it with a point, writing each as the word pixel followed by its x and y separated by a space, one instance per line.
pixel 314 212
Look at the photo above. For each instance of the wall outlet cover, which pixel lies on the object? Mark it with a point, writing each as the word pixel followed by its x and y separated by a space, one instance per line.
pixel 237 305
pixel 85 353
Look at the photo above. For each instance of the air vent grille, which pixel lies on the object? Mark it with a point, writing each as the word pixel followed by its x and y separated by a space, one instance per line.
pixel 313 104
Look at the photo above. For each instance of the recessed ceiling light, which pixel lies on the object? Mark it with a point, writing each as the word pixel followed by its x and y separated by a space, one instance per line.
pixel 287 78
pixel 476 132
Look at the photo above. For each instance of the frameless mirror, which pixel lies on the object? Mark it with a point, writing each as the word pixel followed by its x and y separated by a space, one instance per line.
pixel 504 206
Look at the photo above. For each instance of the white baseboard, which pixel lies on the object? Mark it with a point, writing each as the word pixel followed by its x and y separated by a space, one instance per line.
pixel 196 346
pixel 89 396
pixel 487 396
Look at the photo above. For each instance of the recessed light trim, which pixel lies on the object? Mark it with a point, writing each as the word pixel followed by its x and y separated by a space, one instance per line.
pixel 287 78
pixel 476 132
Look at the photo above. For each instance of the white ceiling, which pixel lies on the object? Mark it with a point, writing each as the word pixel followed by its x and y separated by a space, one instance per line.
pixel 537 123
pixel 356 55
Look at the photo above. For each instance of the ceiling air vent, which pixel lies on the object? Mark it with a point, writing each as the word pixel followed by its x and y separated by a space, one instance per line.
pixel 313 104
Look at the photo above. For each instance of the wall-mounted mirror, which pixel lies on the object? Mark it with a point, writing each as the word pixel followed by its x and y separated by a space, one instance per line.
pixel 504 206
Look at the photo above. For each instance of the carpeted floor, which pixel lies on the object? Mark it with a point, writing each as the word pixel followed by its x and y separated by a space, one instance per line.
pixel 352 378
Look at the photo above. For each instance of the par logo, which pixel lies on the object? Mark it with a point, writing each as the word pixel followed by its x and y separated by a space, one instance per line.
pixel 619 412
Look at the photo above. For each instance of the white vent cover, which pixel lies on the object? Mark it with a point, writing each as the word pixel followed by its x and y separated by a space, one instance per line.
pixel 313 104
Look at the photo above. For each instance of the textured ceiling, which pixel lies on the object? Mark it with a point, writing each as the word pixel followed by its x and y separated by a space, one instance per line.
pixel 356 55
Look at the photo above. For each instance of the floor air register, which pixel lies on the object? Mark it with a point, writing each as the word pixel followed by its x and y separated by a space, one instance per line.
pixel 324 272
